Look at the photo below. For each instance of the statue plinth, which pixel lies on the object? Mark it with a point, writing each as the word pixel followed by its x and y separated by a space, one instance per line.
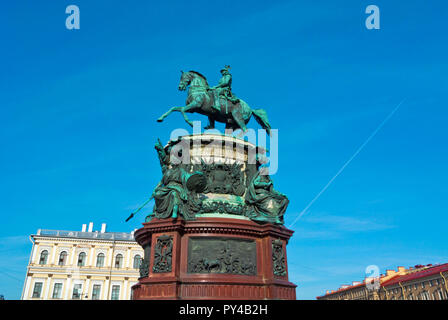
pixel 216 229
pixel 188 260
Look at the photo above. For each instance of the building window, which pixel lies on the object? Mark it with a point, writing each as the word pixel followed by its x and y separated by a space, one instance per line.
pixel 77 291
pixel 62 258
pixel 82 259
pixel 118 261
pixel 37 290
pixel 57 290
pixel 115 292
pixel 100 260
pixel 137 260
pixel 43 257
pixel 96 292
pixel 423 285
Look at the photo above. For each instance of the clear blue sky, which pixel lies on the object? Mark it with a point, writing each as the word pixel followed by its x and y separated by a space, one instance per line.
pixel 78 110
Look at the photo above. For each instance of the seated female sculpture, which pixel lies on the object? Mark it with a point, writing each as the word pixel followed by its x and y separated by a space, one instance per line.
pixel 264 203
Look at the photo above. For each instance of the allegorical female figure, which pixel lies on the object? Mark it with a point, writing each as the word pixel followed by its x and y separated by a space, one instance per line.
pixel 265 204
pixel 176 193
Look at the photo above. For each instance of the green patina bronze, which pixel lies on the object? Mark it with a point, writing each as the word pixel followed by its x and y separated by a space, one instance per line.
pixel 191 190
pixel 264 203
pixel 218 102
pixel 185 189
pixel 177 192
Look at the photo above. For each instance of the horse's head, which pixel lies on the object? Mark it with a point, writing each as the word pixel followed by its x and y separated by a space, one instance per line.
pixel 192 77
pixel 185 80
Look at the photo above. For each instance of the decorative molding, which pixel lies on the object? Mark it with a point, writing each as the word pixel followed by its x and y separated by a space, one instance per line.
pixel 163 254
pixel 223 207
pixel 278 258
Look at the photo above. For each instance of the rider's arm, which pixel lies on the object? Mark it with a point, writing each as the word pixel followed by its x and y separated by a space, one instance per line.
pixel 224 82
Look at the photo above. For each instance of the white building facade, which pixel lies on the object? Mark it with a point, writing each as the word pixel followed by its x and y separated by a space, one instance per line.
pixel 90 265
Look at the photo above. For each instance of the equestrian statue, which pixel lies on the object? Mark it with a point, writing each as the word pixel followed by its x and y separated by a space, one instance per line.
pixel 218 103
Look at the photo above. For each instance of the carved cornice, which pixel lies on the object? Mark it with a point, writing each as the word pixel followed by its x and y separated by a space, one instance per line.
pixel 212 226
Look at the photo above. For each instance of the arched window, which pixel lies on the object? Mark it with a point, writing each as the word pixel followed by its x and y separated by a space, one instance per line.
pixel 118 260
pixel 100 260
pixel 62 258
pixel 43 257
pixel 137 260
pixel 82 259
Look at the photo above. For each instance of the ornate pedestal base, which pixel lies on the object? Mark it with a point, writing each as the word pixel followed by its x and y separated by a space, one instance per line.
pixel 213 258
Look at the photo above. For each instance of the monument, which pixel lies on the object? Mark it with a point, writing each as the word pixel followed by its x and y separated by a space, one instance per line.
pixel 216 230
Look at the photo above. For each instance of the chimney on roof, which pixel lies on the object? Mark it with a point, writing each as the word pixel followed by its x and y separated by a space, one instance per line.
pixel 103 228
pixel 390 272
pixel 328 291
pixel 84 227
pixel 90 227
pixel 401 269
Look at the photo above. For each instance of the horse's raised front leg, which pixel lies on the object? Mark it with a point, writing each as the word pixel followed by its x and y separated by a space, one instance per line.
pixel 163 116
pixel 181 110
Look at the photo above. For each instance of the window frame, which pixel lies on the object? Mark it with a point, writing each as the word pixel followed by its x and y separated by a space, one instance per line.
pixel 120 261
pixel 41 284
pixel 115 293
pixel 79 291
pixel 134 265
pixel 103 257
pixel 60 285
pixel 96 285
pixel 82 263
pixel 63 254
pixel 46 257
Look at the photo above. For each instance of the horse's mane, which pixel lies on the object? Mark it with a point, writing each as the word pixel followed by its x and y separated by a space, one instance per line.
pixel 202 76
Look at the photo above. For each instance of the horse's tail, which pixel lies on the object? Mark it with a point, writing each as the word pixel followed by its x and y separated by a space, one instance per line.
pixel 262 118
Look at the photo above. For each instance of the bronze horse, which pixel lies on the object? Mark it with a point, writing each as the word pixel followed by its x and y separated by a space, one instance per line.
pixel 201 99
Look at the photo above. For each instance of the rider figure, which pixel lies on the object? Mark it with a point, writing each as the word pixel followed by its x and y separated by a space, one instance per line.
pixel 224 88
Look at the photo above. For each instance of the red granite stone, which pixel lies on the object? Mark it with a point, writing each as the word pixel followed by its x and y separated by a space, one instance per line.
pixel 179 284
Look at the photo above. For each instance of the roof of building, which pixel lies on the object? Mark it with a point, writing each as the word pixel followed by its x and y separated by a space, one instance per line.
pixel 343 288
pixel 418 273
pixel 122 236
